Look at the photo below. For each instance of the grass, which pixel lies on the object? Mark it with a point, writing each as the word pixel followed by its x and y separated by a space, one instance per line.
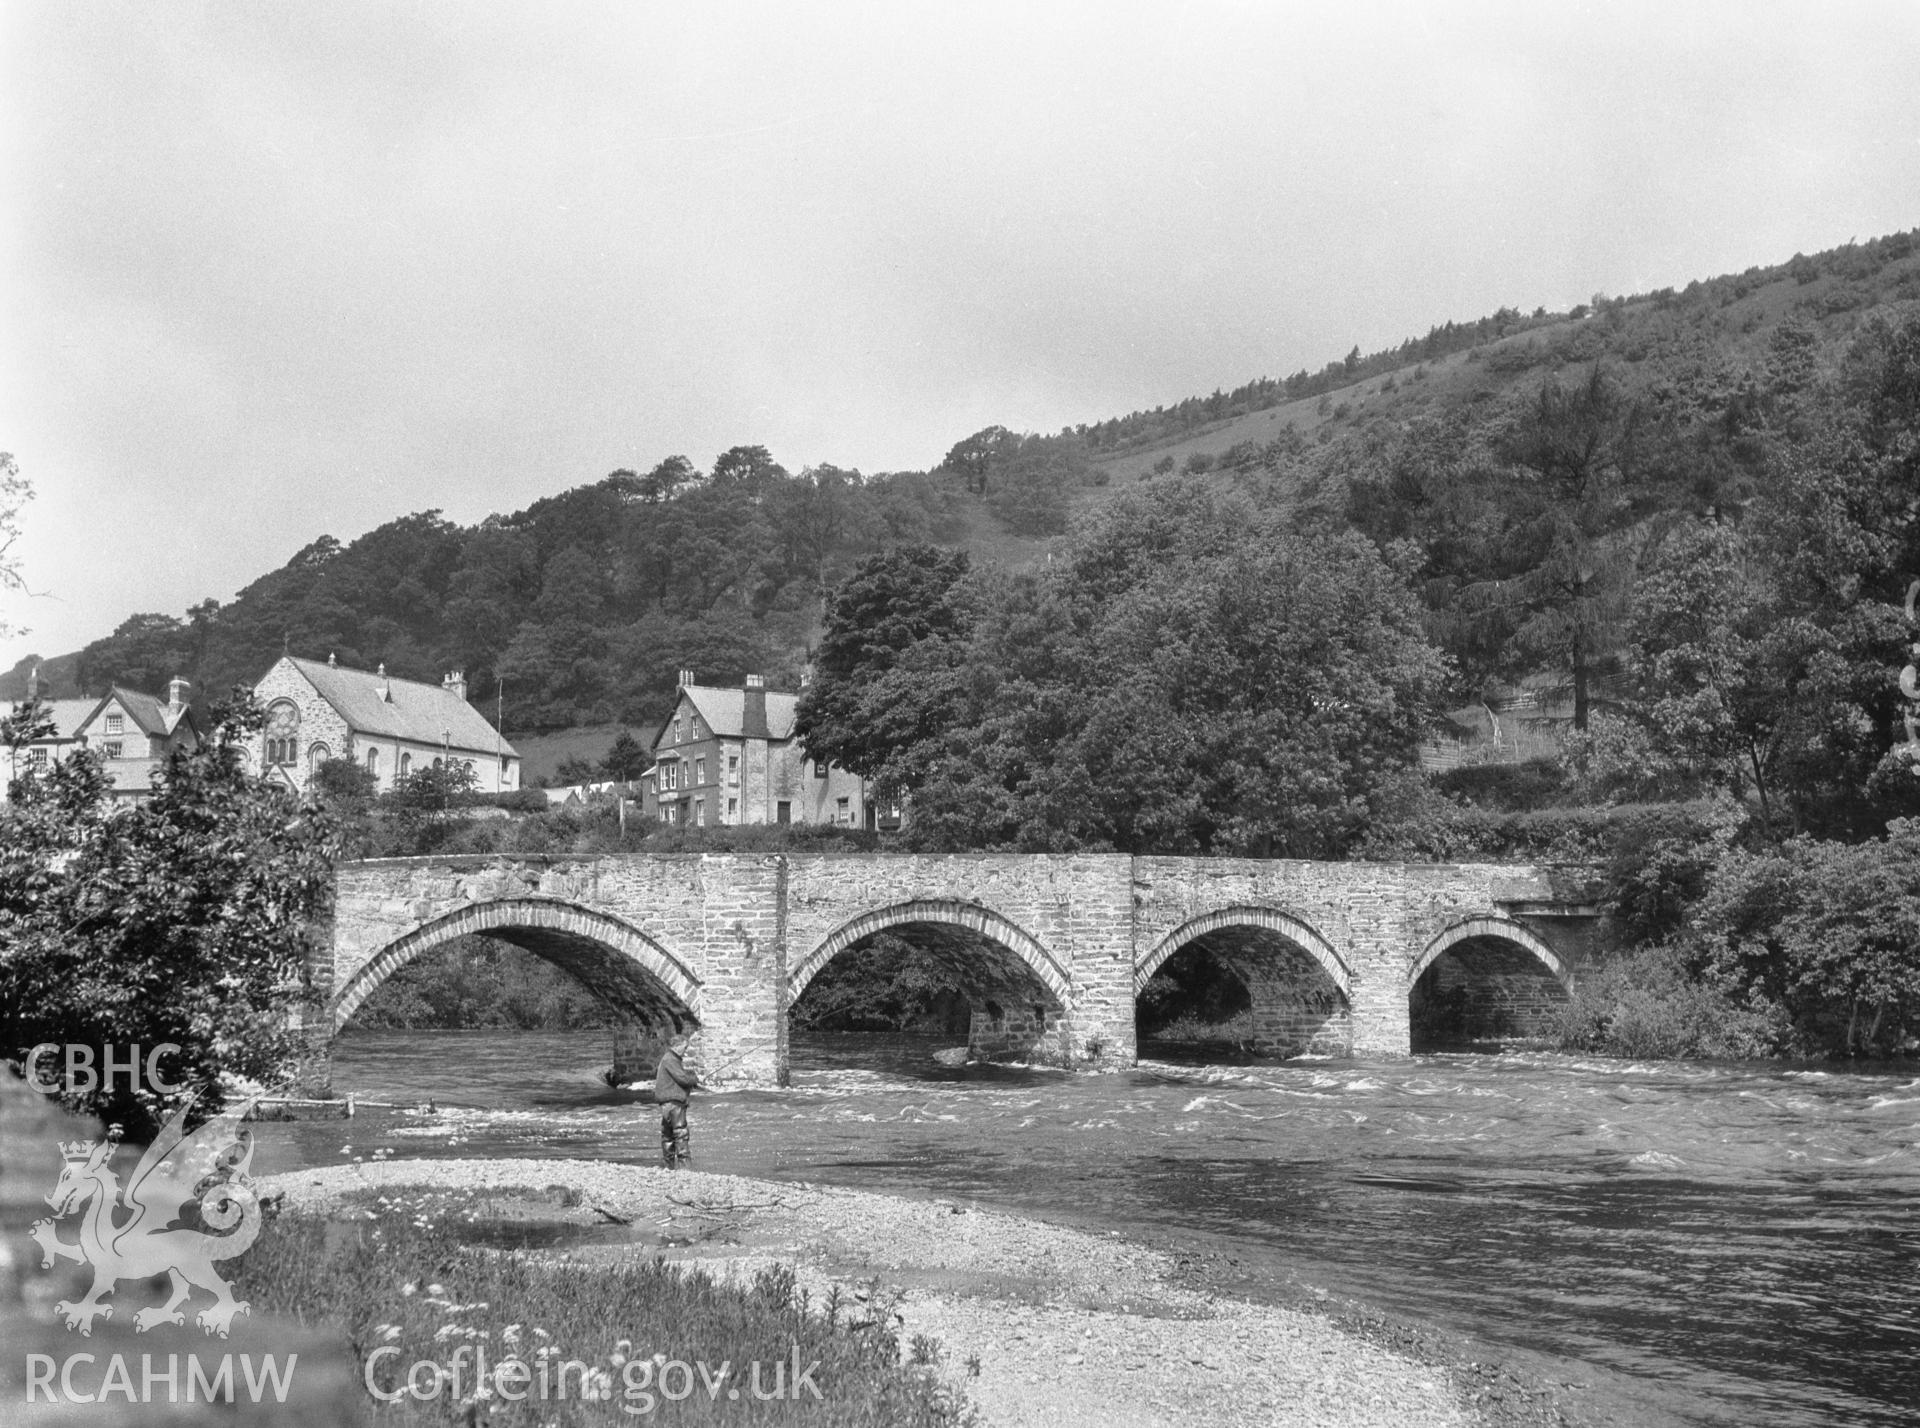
pixel 600 1343
pixel 1237 1028
pixel 542 754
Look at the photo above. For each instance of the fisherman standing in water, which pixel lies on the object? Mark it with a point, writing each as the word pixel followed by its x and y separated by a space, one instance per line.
pixel 671 1083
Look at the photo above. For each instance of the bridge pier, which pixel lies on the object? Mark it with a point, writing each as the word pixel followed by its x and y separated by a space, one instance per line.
pixel 742 1006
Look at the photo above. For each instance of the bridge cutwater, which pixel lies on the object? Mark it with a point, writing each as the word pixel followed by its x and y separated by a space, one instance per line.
pixel 1336 957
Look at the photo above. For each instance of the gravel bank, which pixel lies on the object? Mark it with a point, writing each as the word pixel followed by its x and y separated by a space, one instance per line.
pixel 1068 1328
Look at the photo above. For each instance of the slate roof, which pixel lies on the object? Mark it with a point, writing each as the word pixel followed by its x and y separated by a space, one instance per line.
pixel 68 714
pixel 417 712
pixel 724 712
pixel 149 711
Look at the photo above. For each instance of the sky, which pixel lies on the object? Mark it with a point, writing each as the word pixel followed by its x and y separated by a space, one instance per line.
pixel 270 270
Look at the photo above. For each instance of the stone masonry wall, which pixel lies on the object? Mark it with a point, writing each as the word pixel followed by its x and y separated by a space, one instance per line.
pixel 319 721
pixel 1074 905
pixel 1480 991
pixel 735 937
pixel 1377 917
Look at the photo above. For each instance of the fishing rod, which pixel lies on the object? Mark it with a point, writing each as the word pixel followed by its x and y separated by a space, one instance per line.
pixel 741 1056
pixel 733 1060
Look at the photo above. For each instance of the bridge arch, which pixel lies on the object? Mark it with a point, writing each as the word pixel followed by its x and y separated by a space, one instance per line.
pixel 607 954
pixel 972 916
pixel 1271 919
pixel 1484 980
pixel 1501 929
pixel 1252 974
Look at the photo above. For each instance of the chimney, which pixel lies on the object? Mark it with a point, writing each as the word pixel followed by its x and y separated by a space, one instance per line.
pixel 457 682
pixel 686 678
pixel 806 676
pixel 386 690
pixel 33 685
pixel 177 691
pixel 753 718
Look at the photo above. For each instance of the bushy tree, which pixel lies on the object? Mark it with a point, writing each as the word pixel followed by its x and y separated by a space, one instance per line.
pixel 625 760
pixel 184 919
pixel 1192 676
pixel 1828 932
pixel 886 673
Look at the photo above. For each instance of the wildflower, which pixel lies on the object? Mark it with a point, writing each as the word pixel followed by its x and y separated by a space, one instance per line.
pixel 510 1334
pixel 541 1334
pixel 439 1289
pixel 408 1288
pixel 389 1332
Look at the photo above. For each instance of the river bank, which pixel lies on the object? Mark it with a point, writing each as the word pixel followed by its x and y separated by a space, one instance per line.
pixel 1037 1323
pixel 1690 1243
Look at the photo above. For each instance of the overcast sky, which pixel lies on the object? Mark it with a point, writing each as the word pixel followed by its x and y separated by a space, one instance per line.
pixel 277 270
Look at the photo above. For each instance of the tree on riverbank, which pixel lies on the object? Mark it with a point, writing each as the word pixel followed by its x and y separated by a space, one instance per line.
pixel 1193 675
pixel 182 919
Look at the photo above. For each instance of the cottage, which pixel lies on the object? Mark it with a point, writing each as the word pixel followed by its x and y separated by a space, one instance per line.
pixel 728 756
pixel 391 727
pixel 134 732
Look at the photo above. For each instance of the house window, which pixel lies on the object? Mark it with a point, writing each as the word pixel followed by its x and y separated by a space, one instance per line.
pixel 669 776
pixel 37 756
pixel 317 754
pixel 700 769
pixel 733 768
pixel 116 724
pixel 819 768
pixel 840 813
pixel 783 812
pixel 733 809
pixel 693 729
pixel 112 749
pixel 373 762
pixel 283 733
pixel 700 813
pixel 406 765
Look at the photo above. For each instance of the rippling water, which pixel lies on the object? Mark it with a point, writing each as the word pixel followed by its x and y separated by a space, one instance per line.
pixel 1741 1242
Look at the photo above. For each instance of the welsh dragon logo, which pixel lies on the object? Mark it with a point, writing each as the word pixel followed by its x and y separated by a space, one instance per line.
pixel 207 1169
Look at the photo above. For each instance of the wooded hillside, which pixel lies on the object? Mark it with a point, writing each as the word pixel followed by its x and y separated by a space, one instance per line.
pixel 1481 458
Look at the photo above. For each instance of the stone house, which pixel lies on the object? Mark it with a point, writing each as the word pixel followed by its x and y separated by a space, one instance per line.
pixel 135 733
pixel 392 727
pixel 728 756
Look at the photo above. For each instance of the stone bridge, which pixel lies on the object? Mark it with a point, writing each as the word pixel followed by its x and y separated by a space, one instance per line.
pixel 1338 958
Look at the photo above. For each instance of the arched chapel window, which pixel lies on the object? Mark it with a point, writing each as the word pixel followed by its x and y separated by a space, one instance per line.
pixel 283 732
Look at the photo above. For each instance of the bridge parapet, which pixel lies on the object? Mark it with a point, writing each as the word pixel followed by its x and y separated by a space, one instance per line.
pixel 724 942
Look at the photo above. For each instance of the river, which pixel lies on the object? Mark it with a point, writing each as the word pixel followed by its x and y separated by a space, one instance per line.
pixel 1713 1244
